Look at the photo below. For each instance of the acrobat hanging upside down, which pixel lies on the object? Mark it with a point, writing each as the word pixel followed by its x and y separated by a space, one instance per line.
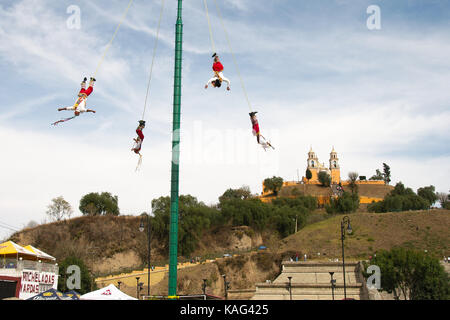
pixel 218 77
pixel 256 132
pixel 140 138
pixel 80 105
pixel 138 142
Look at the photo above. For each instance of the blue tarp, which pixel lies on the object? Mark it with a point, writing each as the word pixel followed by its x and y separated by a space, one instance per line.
pixel 53 294
pixel 50 294
pixel 73 295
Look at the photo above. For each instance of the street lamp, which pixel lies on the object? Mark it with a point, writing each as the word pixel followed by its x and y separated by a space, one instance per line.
pixel 333 284
pixel 141 229
pixel 345 222
pixel 290 288
pixel 226 285
pixel 204 287
pixel 137 287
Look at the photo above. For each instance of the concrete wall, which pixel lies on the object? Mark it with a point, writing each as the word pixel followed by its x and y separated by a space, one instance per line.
pixel 311 281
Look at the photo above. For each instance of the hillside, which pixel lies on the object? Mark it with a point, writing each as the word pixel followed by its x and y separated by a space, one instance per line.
pixel 424 230
pixel 364 190
pixel 109 244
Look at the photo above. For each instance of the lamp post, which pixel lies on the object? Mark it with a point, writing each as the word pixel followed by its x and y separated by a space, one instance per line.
pixel 345 223
pixel 137 287
pixel 226 285
pixel 290 288
pixel 141 229
pixel 333 284
pixel 204 288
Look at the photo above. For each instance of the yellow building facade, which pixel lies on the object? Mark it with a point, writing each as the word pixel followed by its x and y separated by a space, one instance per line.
pixel 367 196
pixel 333 169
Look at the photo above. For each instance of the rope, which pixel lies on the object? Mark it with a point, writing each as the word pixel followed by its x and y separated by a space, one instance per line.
pixel 210 28
pixel 113 37
pixel 153 58
pixel 63 120
pixel 138 167
pixel 232 54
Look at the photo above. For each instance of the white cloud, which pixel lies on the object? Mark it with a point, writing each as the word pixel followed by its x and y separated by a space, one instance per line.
pixel 377 97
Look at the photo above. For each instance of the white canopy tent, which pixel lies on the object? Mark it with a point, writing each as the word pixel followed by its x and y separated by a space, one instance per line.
pixel 107 293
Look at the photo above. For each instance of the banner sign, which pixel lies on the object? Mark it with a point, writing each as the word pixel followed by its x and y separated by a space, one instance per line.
pixel 35 282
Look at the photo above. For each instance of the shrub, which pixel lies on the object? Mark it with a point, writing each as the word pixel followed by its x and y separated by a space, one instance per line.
pixel 346 203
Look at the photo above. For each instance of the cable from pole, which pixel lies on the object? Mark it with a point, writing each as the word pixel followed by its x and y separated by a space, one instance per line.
pixel 210 28
pixel 113 37
pixel 232 54
pixel 155 47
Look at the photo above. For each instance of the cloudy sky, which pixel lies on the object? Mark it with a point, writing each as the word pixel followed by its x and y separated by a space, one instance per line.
pixel 317 72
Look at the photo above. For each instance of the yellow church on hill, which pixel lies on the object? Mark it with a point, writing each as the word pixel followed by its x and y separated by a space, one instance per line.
pixel 315 167
pixel 368 190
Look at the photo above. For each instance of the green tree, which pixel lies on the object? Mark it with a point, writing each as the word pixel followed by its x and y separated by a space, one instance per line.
pixel 59 209
pixel 428 193
pixel 308 174
pixel 399 199
pixel 378 175
pixel 346 203
pixel 273 184
pixel 386 173
pixel 412 274
pixel 94 204
pixel 86 280
pixel 241 193
pixel 324 178
pixel 353 177
pixel 194 219
pixel 444 199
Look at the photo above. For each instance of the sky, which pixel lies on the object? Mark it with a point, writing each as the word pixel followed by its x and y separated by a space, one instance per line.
pixel 318 73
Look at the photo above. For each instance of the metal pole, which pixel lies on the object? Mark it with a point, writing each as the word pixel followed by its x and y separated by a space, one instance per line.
pixel 173 240
pixel 343 256
pixel 225 286
pixel 149 243
pixel 137 288
pixel 204 288
pixel 332 285
pixel 290 288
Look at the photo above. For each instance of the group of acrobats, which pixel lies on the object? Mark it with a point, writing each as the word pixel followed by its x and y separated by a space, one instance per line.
pixel 80 107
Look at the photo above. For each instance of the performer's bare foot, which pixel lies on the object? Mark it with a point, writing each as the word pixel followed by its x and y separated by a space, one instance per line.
pixel 206 87
pixel 228 88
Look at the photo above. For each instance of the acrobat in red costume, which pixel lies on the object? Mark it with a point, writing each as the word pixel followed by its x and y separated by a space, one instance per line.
pixel 80 105
pixel 140 138
pixel 256 132
pixel 218 77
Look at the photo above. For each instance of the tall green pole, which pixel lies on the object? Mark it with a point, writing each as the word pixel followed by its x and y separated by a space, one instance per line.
pixel 173 240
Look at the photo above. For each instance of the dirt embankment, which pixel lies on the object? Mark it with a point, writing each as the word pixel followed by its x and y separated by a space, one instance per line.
pixel 109 244
pixel 242 271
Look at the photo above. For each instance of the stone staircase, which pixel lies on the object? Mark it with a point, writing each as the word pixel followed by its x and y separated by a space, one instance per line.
pixel 311 281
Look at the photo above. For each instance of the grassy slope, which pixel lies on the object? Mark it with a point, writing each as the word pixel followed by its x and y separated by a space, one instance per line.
pixel 425 230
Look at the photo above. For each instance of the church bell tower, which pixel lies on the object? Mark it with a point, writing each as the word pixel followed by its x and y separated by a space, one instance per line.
pixel 334 167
